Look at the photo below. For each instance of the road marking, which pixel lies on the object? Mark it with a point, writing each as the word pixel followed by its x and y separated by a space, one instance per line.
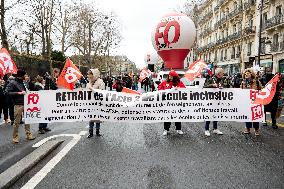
pixel 39 176
pixel 38 144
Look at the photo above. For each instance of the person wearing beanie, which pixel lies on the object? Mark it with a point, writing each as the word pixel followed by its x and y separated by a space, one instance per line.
pixel 172 81
pixel 217 81
pixel 17 89
pixel 251 82
pixel 95 82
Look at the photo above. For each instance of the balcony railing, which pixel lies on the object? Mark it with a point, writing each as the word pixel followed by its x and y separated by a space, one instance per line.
pixel 238 55
pixel 275 20
pixel 248 53
pixel 236 11
pixel 274 47
pixel 247 5
pixel 232 56
pixel 249 30
pixel 234 36
pixel 205 17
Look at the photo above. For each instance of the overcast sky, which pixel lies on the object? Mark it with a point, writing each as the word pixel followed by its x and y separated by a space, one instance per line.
pixel 138 17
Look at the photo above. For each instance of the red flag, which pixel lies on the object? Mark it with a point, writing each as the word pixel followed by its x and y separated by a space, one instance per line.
pixel 126 90
pixel 195 70
pixel 144 73
pixel 7 65
pixel 2 70
pixel 267 93
pixel 69 75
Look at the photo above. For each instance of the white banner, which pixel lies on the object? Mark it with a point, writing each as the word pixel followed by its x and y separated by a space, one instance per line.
pixel 183 105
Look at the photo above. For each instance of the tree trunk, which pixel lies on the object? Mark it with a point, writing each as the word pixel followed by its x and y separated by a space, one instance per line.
pixel 4 39
pixel 49 31
pixel 90 43
pixel 43 33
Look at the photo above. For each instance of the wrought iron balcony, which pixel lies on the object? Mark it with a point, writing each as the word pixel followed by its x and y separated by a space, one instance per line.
pixel 205 17
pixel 234 36
pixel 249 30
pixel 248 53
pixel 247 5
pixel 238 55
pixel 236 11
pixel 232 56
pixel 275 20
pixel 274 47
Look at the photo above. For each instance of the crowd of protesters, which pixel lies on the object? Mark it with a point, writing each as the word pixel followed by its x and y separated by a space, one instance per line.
pixel 14 87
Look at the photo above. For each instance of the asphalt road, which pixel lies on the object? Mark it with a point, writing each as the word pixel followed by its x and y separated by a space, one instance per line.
pixel 138 156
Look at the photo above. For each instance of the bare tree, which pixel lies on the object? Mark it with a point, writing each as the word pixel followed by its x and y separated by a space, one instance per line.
pixel 63 23
pixel 3 9
pixel 94 33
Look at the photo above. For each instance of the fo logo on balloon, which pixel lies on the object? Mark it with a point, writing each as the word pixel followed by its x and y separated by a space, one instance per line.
pixel 164 34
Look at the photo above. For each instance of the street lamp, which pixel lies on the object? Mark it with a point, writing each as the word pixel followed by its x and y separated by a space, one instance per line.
pixel 259 37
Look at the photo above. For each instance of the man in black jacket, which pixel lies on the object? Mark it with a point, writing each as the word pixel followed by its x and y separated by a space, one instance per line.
pixel 17 90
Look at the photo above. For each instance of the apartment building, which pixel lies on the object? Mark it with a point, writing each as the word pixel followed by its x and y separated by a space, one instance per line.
pixel 227 34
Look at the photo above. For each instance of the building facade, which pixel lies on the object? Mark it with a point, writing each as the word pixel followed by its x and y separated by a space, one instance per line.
pixel 228 34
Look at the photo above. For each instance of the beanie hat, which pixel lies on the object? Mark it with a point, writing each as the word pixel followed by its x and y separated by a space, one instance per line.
pixel 21 73
pixel 173 73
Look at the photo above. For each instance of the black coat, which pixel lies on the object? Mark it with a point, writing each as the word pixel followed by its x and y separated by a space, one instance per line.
pixel 13 88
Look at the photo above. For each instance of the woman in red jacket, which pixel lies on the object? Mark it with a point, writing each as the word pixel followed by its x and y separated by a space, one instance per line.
pixel 172 81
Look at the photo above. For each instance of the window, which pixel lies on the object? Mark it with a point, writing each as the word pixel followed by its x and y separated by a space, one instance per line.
pixel 264 17
pixel 275 38
pixel 235 5
pixel 233 53
pixel 251 23
pixel 278 10
pixel 249 48
pixel 221 55
pixel 238 51
pixel 234 28
pixel 225 56
pixel 215 58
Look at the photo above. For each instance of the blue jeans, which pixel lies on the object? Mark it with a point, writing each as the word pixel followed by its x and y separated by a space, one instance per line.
pixel 254 124
pixel 91 126
pixel 42 125
pixel 207 123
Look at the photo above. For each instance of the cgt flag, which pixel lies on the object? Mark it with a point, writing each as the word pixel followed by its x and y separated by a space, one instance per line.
pixel 266 95
pixel 69 75
pixel 195 70
pixel 7 65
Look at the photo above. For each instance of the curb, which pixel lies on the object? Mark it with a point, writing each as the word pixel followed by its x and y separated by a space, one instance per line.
pixel 16 171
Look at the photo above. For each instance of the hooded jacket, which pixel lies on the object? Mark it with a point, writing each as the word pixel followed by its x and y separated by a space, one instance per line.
pixel 98 83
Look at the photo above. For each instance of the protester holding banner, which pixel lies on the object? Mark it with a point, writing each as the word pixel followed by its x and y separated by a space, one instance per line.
pixel 38 86
pixel 217 81
pixel 251 82
pixel 172 81
pixel 273 105
pixel 17 90
pixel 95 82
